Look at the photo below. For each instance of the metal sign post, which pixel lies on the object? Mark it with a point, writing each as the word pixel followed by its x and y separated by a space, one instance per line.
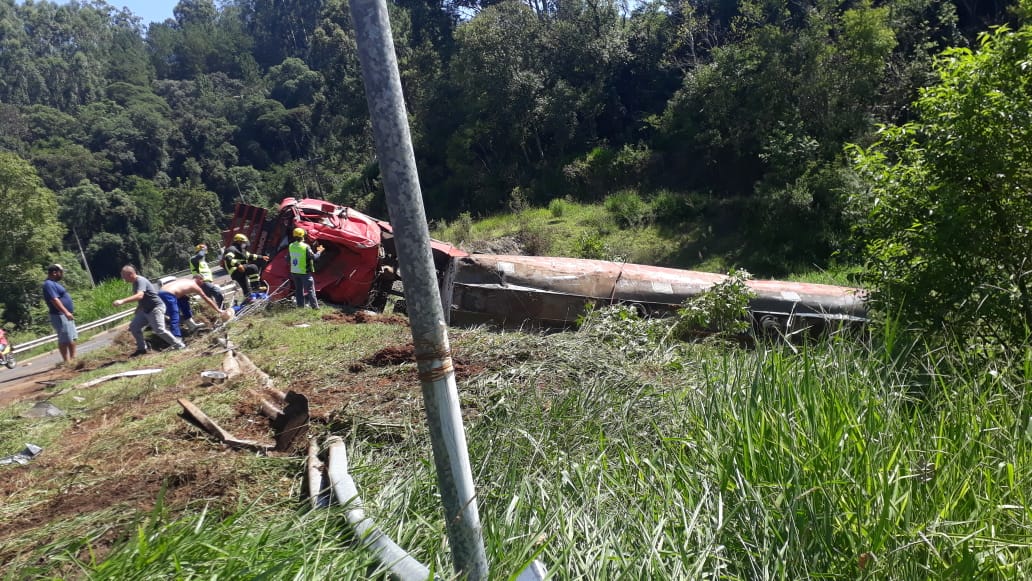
pixel 382 82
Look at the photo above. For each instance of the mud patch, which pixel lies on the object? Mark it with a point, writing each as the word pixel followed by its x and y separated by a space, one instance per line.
pixel 364 317
pixel 391 356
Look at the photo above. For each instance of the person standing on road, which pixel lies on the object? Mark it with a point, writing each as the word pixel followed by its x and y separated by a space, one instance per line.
pixel 176 296
pixel 302 267
pixel 62 312
pixel 150 311
pixel 199 266
pixel 239 263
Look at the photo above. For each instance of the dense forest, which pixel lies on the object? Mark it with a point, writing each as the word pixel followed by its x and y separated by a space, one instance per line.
pixel 129 144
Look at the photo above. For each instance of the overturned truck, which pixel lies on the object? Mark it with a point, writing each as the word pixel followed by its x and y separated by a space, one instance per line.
pixel 359 268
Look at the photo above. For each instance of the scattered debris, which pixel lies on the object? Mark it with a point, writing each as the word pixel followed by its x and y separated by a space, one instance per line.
pixel 247 366
pixel 213 377
pixel 230 365
pixel 195 416
pixel 292 422
pixel 42 409
pixel 288 415
pixel 318 481
pixel 23 457
pixel 133 373
pixel 397 560
pixel 534 572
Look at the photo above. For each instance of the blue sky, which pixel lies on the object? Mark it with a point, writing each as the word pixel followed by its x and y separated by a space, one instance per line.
pixel 148 10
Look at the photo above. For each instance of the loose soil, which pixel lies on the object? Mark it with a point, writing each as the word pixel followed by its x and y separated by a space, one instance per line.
pixel 86 472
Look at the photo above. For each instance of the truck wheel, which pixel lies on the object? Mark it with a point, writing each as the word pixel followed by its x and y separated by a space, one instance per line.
pixel 772 326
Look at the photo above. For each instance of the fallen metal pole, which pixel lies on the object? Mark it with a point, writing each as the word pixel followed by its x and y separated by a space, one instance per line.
pixel 382 81
pixel 401 565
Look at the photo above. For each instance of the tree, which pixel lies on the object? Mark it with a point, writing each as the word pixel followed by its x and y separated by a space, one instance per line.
pixel 111 224
pixel 32 235
pixel 948 198
pixel 761 128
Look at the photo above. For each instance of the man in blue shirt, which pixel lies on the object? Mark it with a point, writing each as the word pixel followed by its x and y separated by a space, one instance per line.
pixel 62 312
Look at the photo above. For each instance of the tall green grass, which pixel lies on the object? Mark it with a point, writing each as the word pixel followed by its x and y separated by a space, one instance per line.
pixel 632 459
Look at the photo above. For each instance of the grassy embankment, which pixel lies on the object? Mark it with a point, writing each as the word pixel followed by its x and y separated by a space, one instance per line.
pixel 624 232
pixel 603 453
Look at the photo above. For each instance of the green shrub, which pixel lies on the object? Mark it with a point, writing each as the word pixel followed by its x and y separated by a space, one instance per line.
pixel 673 208
pixel 630 164
pixel 946 206
pixel 592 246
pixel 462 229
pixel 723 308
pixel 536 240
pixel 622 327
pixel 628 209
pixel 518 200
pixel 557 207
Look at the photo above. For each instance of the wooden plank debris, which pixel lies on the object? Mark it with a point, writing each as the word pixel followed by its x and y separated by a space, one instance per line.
pixel 195 416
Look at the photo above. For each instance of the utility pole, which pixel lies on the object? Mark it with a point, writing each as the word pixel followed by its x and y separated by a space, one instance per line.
pixel 85 264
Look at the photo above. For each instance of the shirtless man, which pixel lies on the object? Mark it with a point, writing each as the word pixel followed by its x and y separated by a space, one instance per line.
pixel 176 296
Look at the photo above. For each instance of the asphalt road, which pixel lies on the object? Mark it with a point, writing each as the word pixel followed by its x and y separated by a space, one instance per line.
pixel 44 367
pixel 24 379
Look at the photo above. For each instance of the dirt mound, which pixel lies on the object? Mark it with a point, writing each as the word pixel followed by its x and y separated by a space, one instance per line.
pixel 364 317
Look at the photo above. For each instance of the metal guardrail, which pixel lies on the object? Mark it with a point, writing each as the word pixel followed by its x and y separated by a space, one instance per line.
pixel 29 345
pixel 22 347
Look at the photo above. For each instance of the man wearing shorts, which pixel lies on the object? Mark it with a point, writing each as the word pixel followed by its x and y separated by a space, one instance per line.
pixel 62 312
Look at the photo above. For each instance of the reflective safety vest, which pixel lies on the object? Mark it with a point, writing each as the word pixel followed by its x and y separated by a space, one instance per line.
pixel 201 267
pixel 299 258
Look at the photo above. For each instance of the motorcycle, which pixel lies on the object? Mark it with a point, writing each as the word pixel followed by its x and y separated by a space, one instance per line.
pixel 6 352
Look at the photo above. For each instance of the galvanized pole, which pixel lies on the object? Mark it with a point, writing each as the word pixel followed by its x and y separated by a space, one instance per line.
pixel 422 298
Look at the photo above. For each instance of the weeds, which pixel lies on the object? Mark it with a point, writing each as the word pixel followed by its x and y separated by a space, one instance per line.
pixel 723 308
pixel 557 207
pixel 610 456
pixel 628 209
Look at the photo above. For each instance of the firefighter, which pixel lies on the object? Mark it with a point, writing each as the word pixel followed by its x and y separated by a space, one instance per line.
pixel 302 259
pixel 239 263
pixel 199 266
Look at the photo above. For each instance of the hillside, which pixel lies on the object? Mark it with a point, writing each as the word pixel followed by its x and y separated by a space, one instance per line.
pixel 604 452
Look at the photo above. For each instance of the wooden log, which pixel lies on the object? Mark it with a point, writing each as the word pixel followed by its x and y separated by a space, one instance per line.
pixel 318 483
pixel 133 373
pixel 195 416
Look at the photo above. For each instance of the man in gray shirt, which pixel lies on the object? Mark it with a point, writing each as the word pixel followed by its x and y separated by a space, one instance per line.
pixel 149 311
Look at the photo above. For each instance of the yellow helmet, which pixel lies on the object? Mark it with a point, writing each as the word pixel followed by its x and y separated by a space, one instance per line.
pixel 201 246
pixel 299 232
pixel 240 238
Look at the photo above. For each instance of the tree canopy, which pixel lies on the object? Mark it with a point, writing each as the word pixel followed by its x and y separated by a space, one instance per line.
pixel 729 117
pixel 948 198
pixel 32 233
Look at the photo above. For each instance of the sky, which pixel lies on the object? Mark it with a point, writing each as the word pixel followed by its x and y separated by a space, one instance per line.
pixel 148 10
